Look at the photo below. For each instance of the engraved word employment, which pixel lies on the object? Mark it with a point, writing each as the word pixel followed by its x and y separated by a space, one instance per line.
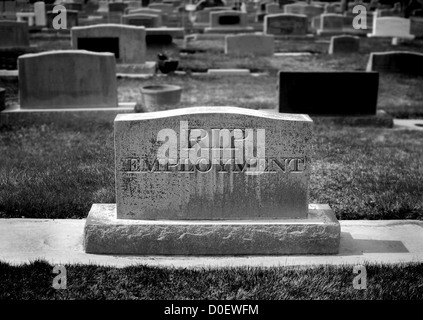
pixel 224 150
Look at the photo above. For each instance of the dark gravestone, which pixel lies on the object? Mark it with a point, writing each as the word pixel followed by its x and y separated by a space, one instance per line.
pixel 100 45
pixel 2 99
pixel 229 20
pixel 328 93
pixel 73 6
pixel 344 44
pixel 286 24
pixel 144 21
pixel 158 39
pixel 397 62
pixel 117 7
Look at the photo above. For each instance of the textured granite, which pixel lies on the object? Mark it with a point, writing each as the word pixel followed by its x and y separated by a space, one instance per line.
pixel 67 79
pixel 177 186
pixel 105 234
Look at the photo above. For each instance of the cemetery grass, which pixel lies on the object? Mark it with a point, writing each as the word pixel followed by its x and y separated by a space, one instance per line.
pixel 384 282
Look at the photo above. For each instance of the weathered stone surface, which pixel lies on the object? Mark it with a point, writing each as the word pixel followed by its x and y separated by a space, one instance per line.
pixel 396 61
pixel 328 93
pixel 330 23
pixel 142 19
pixel 13 34
pixel 169 164
pixel 319 233
pixel 285 24
pixel 127 42
pixel 344 44
pixel 260 45
pixel 391 27
pixel 67 79
pixel 416 26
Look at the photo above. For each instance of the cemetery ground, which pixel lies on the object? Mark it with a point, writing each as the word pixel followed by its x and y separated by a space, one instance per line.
pixel 58 170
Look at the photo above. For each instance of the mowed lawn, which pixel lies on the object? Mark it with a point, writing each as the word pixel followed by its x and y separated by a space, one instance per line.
pixel 387 282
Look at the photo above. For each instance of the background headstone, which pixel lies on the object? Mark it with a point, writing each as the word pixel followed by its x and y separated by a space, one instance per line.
pixel 13 34
pixel 260 45
pixel 397 62
pixel 328 93
pixel 285 24
pixel 344 44
pixel 126 42
pixel 67 79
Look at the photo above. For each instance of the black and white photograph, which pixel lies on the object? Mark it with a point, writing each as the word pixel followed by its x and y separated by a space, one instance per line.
pixel 211 158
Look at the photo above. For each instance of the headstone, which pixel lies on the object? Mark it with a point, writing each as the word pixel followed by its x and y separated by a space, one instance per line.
pixel 203 16
pixel 118 7
pixel 273 8
pixel 391 27
pixel 67 79
pixel 285 24
pixel 344 44
pixel 405 62
pixel 212 181
pixel 103 6
pixel 27 17
pixel 330 23
pixel 75 6
pixel 303 8
pixel 126 42
pixel 2 99
pixel 260 45
pixel 416 27
pixel 328 93
pixel 228 21
pixel 13 34
pixel 165 8
pixel 142 19
pixel 40 14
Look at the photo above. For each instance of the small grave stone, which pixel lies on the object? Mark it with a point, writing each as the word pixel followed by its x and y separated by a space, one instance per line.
pixel 117 7
pixel 344 44
pixel 285 24
pixel 228 21
pixel 40 14
pixel 67 79
pixel 394 27
pixel 260 45
pixel 142 19
pixel 328 93
pixel 405 62
pixel 72 19
pixel 13 34
pixel 330 24
pixel 126 42
pixel 165 8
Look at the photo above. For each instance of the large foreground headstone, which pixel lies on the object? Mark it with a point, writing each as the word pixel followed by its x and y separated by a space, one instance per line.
pixel 126 42
pixel 285 24
pixel 216 180
pixel 67 79
pixel 396 61
pixel 13 34
pixel 328 93
pixel 256 44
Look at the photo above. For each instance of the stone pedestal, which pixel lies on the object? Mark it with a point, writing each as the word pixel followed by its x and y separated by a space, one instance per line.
pixel 319 233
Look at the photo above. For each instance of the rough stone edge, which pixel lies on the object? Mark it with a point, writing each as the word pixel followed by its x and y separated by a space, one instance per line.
pixel 104 234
